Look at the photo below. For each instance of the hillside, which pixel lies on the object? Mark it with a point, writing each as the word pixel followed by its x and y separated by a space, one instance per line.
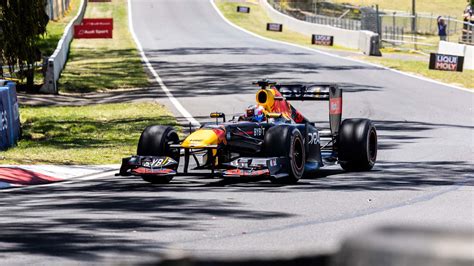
pixel 452 8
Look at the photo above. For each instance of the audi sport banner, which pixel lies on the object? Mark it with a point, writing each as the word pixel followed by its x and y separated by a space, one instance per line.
pixel 243 9
pixel 9 115
pixel 274 27
pixel 94 28
pixel 322 40
pixel 446 62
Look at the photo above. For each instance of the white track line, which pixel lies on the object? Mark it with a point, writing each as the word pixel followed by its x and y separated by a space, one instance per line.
pixel 165 89
pixel 334 55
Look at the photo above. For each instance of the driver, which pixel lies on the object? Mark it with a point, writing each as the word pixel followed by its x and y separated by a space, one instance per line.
pixel 255 113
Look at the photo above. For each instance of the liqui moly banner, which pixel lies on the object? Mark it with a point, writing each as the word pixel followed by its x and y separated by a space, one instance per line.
pixel 94 28
pixel 446 62
pixel 274 27
pixel 243 9
pixel 322 40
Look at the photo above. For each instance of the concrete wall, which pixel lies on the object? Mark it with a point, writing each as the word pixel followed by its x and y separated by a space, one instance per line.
pixel 451 48
pixel 56 62
pixel 359 40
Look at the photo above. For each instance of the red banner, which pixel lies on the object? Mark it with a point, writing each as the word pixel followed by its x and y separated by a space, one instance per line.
pixel 95 32
pixel 94 28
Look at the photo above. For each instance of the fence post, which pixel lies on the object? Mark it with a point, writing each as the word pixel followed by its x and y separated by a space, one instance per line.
pixel 414 32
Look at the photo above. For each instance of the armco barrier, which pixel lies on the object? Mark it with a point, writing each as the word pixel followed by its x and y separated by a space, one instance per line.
pixel 9 114
pixel 361 40
pixel 55 63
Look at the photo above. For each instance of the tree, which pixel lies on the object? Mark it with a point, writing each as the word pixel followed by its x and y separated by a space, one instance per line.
pixel 23 23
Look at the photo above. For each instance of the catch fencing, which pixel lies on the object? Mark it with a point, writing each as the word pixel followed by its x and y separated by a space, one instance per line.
pixel 420 31
pixel 305 15
pixel 348 24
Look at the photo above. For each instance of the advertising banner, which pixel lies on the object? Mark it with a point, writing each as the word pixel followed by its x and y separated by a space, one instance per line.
pixel 446 62
pixel 9 116
pixel 274 27
pixel 325 40
pixel 97 28
pixel 92 22
pixel 243 9
pixel 4 141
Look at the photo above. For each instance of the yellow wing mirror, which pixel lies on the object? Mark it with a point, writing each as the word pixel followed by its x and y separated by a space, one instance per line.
pixel 217 115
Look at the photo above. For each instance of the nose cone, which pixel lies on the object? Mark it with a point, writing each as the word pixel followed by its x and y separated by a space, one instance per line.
pixel 201 138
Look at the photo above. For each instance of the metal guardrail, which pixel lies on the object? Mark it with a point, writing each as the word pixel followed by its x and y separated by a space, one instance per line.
pixel 55 63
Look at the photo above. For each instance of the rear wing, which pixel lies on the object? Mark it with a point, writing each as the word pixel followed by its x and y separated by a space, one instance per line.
pixel 317 92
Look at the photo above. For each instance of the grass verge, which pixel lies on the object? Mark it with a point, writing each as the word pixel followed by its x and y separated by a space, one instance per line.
pixel 256 23
pixel 95 134
pixel 463 79
pixel 102 64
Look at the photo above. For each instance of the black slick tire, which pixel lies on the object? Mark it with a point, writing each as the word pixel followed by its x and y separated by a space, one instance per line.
pixel 357 144
pixel 286 141
pixel 155 141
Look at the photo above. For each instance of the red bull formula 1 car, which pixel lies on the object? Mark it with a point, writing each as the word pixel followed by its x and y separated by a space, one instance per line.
pixel 272 140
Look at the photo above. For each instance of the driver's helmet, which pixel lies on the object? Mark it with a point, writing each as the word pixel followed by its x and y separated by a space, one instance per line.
pixel 255 113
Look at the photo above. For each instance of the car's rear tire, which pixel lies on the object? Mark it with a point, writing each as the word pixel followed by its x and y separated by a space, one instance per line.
pixel 286 141
pixel 155 141
pixel 357 144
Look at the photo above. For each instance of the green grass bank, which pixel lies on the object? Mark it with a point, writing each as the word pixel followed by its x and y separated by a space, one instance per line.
pixel 95 134
pixel 104 64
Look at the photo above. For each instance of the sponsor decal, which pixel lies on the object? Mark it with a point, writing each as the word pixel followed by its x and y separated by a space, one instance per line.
pixel 258 132
pixel 335 106
pixel 4 124
pixel 325 40
pixel 446 62
pixel 98 22
pixel 274 27
pixel 243 9
pixel 94 29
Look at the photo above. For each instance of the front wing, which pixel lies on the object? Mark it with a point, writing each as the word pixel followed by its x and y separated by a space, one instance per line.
pixel 271 167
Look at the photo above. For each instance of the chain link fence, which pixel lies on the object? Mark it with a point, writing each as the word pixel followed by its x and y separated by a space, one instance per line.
pixel 397 29
pixel 422 29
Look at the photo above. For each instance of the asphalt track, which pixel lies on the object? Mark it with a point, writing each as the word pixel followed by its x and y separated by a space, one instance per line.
pixel 423 177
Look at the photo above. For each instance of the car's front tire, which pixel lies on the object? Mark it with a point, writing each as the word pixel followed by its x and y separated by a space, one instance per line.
pixel 286 141
pixel 155 141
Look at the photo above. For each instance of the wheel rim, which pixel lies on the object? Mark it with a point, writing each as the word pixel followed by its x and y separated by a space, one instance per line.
pixel 372 145
pixel 298 154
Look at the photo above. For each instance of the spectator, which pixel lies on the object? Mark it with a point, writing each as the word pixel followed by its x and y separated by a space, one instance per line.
pixel 468 12
pixel 442 28
pixel 468 23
